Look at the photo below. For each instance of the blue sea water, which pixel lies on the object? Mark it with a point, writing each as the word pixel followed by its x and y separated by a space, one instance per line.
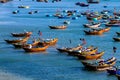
pixel 15 64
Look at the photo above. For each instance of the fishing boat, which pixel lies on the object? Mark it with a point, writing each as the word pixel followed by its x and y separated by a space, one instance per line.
pixel 93 56
pixel 118 33
pixel 93 1
pixel 113 23
pixel 63 49
pixel 116 39
pixel 98 31
pixel 58 27
pixel 94 32
pixel 93 16
pixel 21 34
pixel 99 65
pixel 21 40
pixel 22 6
pixel 82 4
pixel 88 50
pixel 93 25
pixel 67 49
pixel 49 41
pixel 21 45
pixel 35 48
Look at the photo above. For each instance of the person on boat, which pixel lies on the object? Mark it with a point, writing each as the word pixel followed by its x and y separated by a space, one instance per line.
pixel 114 49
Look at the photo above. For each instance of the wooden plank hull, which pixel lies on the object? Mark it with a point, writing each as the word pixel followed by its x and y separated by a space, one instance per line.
pixel 77 53
pixel 92 26
pixel 36 49
pixel 63 49
pixel 100 66
pixel 69 49
pixel 50 42
pixel 91 56
pixel 58 27
pixel 24 40
pixel 21 45
pixel 21 34
pixel 93 32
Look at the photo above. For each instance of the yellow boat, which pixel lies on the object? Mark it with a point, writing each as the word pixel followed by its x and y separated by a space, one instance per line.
pixel 91 56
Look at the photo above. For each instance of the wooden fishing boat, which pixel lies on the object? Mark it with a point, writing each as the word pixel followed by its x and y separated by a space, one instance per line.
pixel 93 17
pixel 63 49
pixel 96 25
pixel 82 4
pixel 69 49
pixel 118 33
pixel 93 1
pixel 100 65
pixel 35 48
pixel 94 32
pixel 21 45
pixel 113 23
pixel 91 56
pixel 23 6
pixel 99 31
pixel 21 34
pixel 58 27
pixel 87 51
pixel 116 24
pixel 82 51
pixel 49 42
pixel 116 39
pixel 23 40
